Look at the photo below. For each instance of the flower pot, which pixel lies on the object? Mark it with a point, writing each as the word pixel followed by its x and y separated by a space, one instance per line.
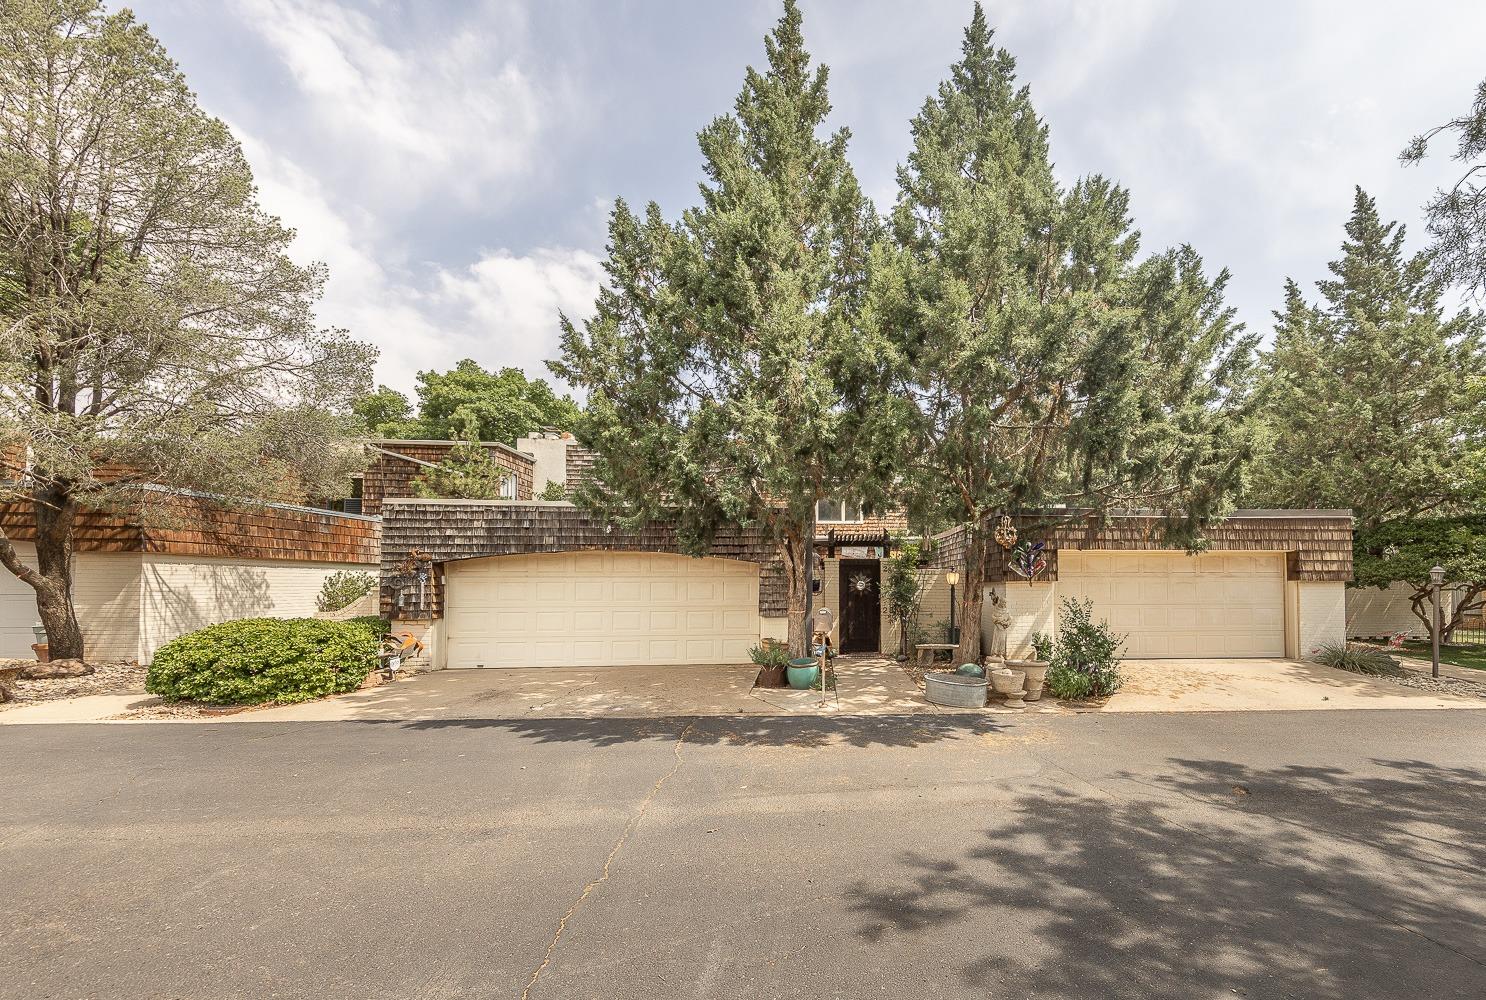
pixel 1036 671
pixel 803 673
pixel 1009 684
pixel 955 690
pixel 42 651
pixel 771 676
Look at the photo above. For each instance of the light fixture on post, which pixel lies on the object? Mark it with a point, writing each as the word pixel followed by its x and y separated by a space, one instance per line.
pixel 1436 580
pixel 952 578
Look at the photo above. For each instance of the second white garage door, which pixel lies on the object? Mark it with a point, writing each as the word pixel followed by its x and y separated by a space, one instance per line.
pixel 1174 605
pixel 599 609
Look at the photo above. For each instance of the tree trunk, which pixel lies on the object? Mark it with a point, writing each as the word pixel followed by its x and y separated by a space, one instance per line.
pixel 55 520
pixel 793 553
pixel 972 577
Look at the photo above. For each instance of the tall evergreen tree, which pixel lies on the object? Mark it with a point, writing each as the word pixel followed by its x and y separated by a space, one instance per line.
pixel 728 380
pixel 1376 399
pixel 1048 368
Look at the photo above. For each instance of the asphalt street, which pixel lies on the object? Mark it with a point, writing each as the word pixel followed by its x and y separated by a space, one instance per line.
pixel 1310 854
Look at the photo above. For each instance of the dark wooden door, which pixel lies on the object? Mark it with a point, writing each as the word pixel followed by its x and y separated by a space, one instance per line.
pixel 861 606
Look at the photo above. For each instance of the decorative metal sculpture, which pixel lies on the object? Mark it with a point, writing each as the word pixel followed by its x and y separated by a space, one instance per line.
pixel 1005 533
pixel 412 574
pixel 861 583
pixel 1028 561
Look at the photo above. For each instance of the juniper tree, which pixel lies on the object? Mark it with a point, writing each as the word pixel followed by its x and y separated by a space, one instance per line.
pixel 1048 367
pixel 1376 400
pixel 152 328
pixel 728 379
pixel 1457 214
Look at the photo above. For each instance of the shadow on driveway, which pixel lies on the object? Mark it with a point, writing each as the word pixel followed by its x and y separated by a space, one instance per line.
pixel 1223 880
pixel 738 731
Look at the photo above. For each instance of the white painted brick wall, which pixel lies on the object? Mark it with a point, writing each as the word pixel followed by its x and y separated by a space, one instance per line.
pixel 1374 612
pixel 1322 614
pixel 1033 608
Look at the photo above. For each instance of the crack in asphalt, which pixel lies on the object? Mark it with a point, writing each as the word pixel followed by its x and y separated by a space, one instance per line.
pixel 624 836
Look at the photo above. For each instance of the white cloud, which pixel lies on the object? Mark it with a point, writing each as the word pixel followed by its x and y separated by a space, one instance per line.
pixel 453 116
pixel 500 310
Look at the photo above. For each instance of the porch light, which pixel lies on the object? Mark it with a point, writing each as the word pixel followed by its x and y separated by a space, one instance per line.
pixel 952 578
pixel 1437 576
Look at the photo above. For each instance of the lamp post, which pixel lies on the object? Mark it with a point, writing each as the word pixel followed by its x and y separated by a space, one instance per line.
pixel 952 578
pixel 1436 579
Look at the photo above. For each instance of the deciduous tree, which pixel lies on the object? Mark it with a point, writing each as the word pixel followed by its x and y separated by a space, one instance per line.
pixel 1406 549
pixel 469 403
pixel 153 329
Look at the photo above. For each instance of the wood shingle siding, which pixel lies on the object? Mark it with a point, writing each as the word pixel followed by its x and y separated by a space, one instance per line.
pixel 450 530
pixel 1317 543
pixel 388 475
pixel 196 526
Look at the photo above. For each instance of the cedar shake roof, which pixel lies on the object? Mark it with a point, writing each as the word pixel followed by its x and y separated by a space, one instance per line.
pixel 1318 543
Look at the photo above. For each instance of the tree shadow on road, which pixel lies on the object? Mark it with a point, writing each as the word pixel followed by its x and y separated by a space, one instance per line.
pixel 742 731
pixel 1219 880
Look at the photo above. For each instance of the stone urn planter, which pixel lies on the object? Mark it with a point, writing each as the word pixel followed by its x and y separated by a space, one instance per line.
pixel 1036 671
pixel 803 673
pixel 1009 684
pixel 955 690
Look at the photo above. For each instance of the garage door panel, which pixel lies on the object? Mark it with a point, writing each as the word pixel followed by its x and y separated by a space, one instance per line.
pixel 1174 605
pixel 600 608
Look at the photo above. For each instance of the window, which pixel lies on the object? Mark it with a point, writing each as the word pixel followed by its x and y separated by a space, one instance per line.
pixel 838 511
pixel 508 488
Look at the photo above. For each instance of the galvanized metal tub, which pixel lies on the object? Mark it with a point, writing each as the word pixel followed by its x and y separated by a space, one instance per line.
pixel 955 690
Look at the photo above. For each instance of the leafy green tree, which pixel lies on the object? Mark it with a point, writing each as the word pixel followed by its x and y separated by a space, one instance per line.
pixel 468 402
pixel 153 329
pixel 1047 367
pixel 904 590
pixel 385 412
pixel 1457 215
pixel 1406 549
pixel 728 380
pixel 467 473
pixel 1376 400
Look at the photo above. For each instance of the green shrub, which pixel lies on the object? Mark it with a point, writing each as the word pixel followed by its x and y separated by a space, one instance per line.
pixel 259 660
pixel 342 588
pixel 1086 657
pixel 553 491
pixel 770 653
pixel 1357 658
pixel 1042 646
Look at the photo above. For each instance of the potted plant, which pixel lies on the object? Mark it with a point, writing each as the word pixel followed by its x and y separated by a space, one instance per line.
pixel 772 659
pixel 803 673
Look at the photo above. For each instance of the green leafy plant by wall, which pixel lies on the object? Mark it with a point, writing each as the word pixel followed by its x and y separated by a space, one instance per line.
pixel 260 660
pixel 343 587
pixel 904 593
pixel 770 654
pixel 1086 657
pixel 553 491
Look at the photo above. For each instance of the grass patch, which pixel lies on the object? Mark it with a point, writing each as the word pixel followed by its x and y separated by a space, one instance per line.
pixel 1473 656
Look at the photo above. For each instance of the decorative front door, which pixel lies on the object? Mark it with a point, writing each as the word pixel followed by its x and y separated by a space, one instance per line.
pixel 861 606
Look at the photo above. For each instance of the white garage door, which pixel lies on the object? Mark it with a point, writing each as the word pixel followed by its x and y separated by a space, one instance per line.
pixel 599 608
pixel 1172 604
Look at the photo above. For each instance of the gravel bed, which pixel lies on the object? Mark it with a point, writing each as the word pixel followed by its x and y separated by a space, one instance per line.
pixel 119 677
pixel 1441 685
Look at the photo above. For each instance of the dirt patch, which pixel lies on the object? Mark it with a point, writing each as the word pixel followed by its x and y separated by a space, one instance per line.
pixel 107 678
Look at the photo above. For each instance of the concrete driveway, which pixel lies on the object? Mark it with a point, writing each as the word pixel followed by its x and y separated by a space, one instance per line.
pixel 1149 857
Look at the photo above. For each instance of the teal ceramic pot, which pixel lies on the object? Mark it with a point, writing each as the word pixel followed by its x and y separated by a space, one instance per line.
pixel 970 670
pixel 803 673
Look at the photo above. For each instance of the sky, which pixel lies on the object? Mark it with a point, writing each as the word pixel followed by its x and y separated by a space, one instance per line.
pixel 454 163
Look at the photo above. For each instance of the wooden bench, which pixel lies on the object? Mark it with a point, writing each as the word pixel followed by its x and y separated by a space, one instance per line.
pixel 930 648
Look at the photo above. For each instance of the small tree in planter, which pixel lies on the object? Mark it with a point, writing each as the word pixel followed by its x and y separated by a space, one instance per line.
pixel 904 593
pixel 1086 657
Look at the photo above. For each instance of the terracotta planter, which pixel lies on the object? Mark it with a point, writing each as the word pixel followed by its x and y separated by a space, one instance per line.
pixel 1036 671
pixel 1009 684
pixel 42 651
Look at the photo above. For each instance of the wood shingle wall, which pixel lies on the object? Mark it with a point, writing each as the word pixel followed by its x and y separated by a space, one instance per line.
pixel 449 530
pixel 1318 543
pixel 389 476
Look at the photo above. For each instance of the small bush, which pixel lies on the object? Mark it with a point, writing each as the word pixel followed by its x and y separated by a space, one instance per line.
pixel 260 660
pixel 1086 657
pixel 342 588
pixel 553 491
pixel 1042 646
pixel 1357 658
pixel 770 653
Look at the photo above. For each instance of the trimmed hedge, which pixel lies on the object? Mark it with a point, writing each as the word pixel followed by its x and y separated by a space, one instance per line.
pixel 258 660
